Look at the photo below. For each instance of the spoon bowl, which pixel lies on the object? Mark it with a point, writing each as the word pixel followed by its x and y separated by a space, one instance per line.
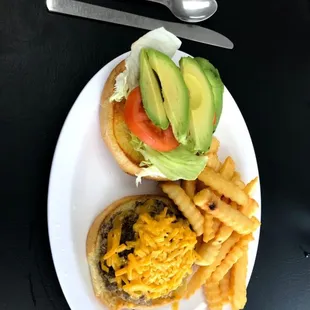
pixel 191 11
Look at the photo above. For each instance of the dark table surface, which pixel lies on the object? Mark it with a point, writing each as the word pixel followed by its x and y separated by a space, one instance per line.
pixel 45 61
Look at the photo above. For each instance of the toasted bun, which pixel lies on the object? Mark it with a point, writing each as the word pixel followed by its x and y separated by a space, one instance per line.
pixel 114 130
pixel 93 242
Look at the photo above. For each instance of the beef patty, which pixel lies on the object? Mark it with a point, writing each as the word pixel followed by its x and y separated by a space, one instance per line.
pixel 154 207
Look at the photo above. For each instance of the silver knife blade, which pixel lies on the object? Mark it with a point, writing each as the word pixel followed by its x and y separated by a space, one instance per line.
pixel 91 11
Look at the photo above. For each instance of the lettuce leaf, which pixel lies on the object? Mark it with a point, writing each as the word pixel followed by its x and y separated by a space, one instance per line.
pixel 177 164
pixel 159 39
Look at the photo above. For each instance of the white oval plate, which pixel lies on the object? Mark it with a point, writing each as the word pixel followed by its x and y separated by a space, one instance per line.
pixel 85 179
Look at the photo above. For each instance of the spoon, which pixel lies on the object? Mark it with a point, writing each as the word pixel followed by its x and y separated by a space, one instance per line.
pixel 191 11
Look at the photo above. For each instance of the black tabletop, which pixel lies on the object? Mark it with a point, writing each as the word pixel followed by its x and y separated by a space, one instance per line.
pixel 45 61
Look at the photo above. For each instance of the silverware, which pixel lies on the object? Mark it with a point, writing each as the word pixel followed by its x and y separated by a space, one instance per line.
pixel 86 10
pixel 191 11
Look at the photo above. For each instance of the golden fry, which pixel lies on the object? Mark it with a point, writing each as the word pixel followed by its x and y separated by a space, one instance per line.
pixel 198 279
pixel 216 225
pixel 223 234
pixel 250 209
pixel 215 144
pixel 208 252
pixel 213 296
pixel 204 273
pixel 208 231
pixel 228 168
pixel 232 257
pixel 203 197
pixel 236 179
pixel 189 188
pixel 185 205
pixel 213 162
pixel 224 231
pixel 238 282
pixel 250 187
pixel 223 186
pixel 225 213
pixel 225 288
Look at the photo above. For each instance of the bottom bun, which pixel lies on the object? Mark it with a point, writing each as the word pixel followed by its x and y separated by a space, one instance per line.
pixel 95 244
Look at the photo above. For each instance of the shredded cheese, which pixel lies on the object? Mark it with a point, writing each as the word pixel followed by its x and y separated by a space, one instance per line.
pixel 162 257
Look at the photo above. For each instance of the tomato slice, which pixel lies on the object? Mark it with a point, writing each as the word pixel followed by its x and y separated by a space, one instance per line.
pixel 141 126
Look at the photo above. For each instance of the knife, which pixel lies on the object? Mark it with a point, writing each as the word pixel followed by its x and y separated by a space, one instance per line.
pixel 186 31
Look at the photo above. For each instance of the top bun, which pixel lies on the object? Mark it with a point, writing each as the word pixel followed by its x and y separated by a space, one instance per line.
pixel 114 130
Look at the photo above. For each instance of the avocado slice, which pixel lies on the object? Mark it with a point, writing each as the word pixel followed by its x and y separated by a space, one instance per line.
pixel 151 93
pixel 201 104
pixel 174 92
pixel 214 78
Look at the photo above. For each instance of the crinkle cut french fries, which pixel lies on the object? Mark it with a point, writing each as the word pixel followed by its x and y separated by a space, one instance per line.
pixel 231 217
pixel 220 208
pixel 185 205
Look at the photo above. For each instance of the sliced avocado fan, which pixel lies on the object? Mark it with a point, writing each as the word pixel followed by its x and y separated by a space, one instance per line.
pixel 164 93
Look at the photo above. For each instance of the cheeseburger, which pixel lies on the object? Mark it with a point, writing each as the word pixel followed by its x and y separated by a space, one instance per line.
pixel 157 117
pixel 140 252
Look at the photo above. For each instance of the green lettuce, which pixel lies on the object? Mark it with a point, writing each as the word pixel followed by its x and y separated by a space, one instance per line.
pixel 160 39
pixel 177 164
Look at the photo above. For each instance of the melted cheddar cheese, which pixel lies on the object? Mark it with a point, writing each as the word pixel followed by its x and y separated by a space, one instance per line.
pixel 163 255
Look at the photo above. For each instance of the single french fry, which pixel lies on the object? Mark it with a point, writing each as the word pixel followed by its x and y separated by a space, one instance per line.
pixel 232 257
pixel 250 209
pixel 208 231
pixel 224 231
pixel 203 197
pixel 216 225
pixel 223 186
pixel 213 296
pixel 215 144
pixel 213 162
pixel 211 203
pixel 238 282
pixel 227 169
pixel 207 252
pixel 236 179
pixel 197 280
pixel 223 234
pixel 203 273
pixel 250 187
pixel 225 288
pixel 189 188
pixel 185 205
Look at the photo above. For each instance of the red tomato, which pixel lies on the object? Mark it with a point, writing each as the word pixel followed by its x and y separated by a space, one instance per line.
pixel 141 126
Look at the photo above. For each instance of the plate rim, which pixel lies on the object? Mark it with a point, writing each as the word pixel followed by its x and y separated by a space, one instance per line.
pixel 56 251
